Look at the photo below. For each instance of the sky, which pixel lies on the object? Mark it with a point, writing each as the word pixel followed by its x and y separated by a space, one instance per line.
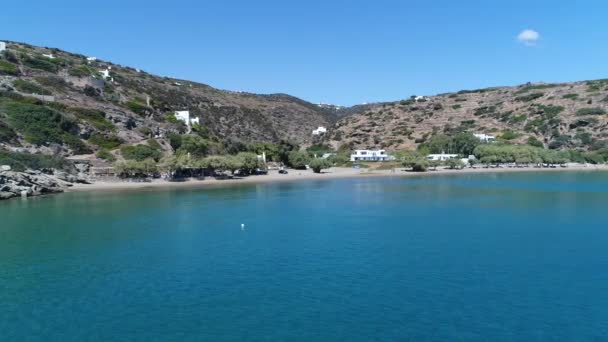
pixel 339 52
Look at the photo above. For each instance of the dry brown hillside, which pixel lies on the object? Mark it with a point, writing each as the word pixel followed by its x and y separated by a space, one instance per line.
pixel 558 115
pixel 56 102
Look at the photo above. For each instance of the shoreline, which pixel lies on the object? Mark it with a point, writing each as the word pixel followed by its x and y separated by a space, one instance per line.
pixel 307 175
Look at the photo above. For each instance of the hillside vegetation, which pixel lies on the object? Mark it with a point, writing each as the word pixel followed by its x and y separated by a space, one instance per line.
pixel 556 116
pixel 57 103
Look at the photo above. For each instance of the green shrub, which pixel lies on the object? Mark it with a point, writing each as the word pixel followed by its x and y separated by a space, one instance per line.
pixel 532 141
pixel 570 96
pixel 30 88
pixel 41 125
pixel 138 107
pixel 41 63
pixel 7 68
pixel 105 155
pixel 456 106
pixel 510 135
pixel 591 111
pixel 6 133
pixel 22 161
pixel 140 153
pixel 529 97
pixel 299 159
pixel 154 144
pixel 81 71
pixel 108 142
pixel 96 118
pixel 53 82
pixel 317 164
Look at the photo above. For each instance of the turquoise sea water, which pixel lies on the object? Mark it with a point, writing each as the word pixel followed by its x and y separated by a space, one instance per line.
pixel 505 257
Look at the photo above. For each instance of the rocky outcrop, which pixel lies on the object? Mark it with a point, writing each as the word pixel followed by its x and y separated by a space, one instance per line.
pixel 29 183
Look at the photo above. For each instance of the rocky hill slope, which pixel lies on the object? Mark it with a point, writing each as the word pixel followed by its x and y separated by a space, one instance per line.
pixel 55 102
pixel 567 115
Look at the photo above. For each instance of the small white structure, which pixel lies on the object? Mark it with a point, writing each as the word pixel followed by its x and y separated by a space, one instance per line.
pixel 370 155
pixel 484 137
pixel 184 116
pixel 262 157
pixel 48 55
pixel 91 59
pixel 419 98
pixel 2 46
pixel 319 131
pixel 105 74
pixel 441 157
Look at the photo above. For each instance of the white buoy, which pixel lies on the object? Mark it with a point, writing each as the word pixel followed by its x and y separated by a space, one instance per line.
pixel 242 226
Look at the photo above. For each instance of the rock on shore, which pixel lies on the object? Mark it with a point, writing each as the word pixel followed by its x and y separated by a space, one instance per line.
pixel 29 183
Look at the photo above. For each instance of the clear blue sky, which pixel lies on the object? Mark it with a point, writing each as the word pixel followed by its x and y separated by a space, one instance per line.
pixel 342 52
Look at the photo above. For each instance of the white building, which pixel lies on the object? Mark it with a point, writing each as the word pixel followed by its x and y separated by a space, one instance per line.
pixel 319 131
pixel 2 46
pixel 105 73
pixel 184 116
pixel 484 137
pixel 370 155
pixel 441 157
pixel 91 59
pixel 49 55
pixel 419 98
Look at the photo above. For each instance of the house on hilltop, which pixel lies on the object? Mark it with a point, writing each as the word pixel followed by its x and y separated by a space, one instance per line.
pixel 2 46
pixel 319 131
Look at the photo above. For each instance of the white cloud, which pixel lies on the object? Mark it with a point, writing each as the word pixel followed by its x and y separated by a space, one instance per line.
pixel 528 37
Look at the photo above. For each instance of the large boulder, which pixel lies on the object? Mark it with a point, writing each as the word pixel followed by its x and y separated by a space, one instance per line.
pixel 28 183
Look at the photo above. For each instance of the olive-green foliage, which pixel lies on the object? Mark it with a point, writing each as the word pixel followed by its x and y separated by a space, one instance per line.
pixel 298 159
pixel 7 68
pixel 108 142
pixel 529 97
pixel 22 161
pixel 42 63
pixel 7 134
pixel 81 71
pixel 415 160
pixel 509 135
pixel 30 87
pixel 591 111
pixel 319 149
pixel 454 163
pixel 53 82
pixel 521 154
pixel 340 158
pixel 140 152
pixel 571 96
pixel 462 143
pixel 138 107
pixel 41 125
pixel 317 164
pixel 193 144
pixel 154 144
pixel 249 161
pixel 134 168
pixel 96 118
pixel 532 141
pixel 105 155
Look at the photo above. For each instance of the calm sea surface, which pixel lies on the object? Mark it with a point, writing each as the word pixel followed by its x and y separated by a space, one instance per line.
pixel 505 257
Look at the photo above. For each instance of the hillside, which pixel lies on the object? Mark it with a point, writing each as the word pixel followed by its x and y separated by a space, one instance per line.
pixel 566 115
pixel 56 102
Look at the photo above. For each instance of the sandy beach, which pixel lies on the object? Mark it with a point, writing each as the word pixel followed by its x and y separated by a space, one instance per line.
pixel 300 175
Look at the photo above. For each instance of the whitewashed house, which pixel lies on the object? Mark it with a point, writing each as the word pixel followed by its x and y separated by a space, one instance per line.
pixel 184 116
pixel 91 59
pixel 370 155
pixel 48 55
pixel 319 131
pixel 484 137
pixel 441 157
pixel 2 46
pixel 419 98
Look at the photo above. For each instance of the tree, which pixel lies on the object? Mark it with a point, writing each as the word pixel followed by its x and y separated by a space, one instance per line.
pixel 317 164
pixel 134 168
pixel 417 162
pixel 194 145
pixel 464 143
pixel 454 163
pixel 248 161
pixel 299 159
